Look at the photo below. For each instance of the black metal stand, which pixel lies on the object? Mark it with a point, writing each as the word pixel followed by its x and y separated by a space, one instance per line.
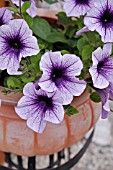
pixel 53 164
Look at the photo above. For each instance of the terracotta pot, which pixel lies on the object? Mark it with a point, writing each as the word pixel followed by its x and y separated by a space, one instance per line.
pixel 17 138
pixel 3 3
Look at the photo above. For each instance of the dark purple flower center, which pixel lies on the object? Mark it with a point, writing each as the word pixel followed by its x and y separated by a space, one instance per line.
pixel 15 43
pixel 84 2
pixel 1 22
pixel 45 102
pixel 26 0
pixel 100 65
pixel 57 75
pixel 107 18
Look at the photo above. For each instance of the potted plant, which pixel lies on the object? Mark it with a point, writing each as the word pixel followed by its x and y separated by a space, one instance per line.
pixel 62 67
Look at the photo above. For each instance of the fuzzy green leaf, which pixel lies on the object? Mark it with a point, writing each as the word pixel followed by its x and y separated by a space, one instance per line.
pixel 13 82
pixel 71 111
pixel 25 6
pixel 41 28
pixel 87 52
pixel 56 37
pixel 95 97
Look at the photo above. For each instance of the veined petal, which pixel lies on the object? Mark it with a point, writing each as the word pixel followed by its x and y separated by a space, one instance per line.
pixel 32 11
pixel 5 16
pixel 50 59
pixel 55 115
pixel 66 95
pixel 36 123
pixel 46 83
pixel 71 64
pixel 97 56
pixel 99 81
pixel 30 46
pixel 75 86
pixel 29 90
pixel 81 31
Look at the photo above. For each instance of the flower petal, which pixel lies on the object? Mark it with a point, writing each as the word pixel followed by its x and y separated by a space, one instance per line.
pixel 32 11
pixel 66 95
pixel 36 123
pixel 29 90
pixel 54 115
pixel 26 107
pixel 75 86
pixel 50 59
pixel 71 64
pixel 5 15
pixel 99 81
pixel 81 31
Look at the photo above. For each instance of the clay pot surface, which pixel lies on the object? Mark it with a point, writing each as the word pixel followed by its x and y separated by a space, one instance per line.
pixel 17 138
pixel 3 3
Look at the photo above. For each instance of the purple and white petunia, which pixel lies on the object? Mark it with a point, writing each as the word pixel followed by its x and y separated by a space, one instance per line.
pixel 39 106
pixel 32 10
pixel 102 69
pixel 100 18
pixel 16 41
pixel 106 95
pixel 59 74
pixel 77 7
pixel 5 16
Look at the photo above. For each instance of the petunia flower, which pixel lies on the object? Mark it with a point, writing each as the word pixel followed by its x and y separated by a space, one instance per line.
pixel 100 18
pixel 81 31
pixel 5 16
pixel 32 10
pixel 104 95
pixel 77 7
pixel 39 106
pixel 102 69
pixel 59 74
pixel 16 41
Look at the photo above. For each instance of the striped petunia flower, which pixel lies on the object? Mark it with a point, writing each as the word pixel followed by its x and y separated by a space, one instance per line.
pixel 16 41
pixel 77 7
pixel 5 16
pixel 102 68
pixel 100 18
pixel 39 106
pixel 59 74
pixel 32 10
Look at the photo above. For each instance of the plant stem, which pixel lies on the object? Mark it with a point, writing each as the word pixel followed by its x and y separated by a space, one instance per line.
pixel 12 4
pixel 20 6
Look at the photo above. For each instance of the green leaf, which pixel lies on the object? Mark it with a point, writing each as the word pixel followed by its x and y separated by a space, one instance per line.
pixel 29 20
pixel 71 111
pixel 87 52
pixel 95 97
pixel 56 37
pixel 41 28
pixel 51 1
pixel 12 9
pixel 35 58
pixel 91 36
pixel 64 20
pixel 65 52
pixel 25 6
pixel 71 31
pixel 13 82
pixel 81 43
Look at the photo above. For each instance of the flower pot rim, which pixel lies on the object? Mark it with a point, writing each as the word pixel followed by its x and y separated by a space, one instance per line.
pixel 12 99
